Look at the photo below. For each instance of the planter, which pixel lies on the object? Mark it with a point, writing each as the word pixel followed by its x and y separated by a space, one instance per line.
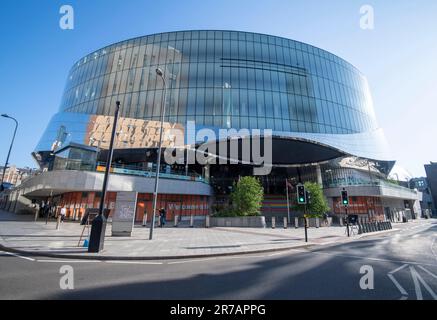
pixel 241 222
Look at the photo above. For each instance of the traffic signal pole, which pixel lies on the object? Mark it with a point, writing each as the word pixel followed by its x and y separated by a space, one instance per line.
pixel 347 222
pixel 302 199
pixel 345 201
pixel 306 223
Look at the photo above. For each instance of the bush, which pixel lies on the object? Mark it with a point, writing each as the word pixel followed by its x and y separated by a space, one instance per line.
pixel 318 204
pixel 247 197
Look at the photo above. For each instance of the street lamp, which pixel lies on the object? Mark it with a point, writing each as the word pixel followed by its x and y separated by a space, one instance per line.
pixel 98 226
pixel 10 148
pixel 160 73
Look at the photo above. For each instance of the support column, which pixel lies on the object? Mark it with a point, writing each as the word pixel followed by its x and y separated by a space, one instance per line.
pixel 319 175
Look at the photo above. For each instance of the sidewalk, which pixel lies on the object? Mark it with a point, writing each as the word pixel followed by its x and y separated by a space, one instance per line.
pixel 22 234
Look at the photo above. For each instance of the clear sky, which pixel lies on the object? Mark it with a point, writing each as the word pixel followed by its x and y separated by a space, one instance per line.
pixel 399 57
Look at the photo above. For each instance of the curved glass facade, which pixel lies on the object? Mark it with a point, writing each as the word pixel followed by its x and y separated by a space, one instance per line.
pixel 226 79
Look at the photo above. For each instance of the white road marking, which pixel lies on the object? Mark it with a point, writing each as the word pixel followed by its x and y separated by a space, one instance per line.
pixel 396 283
pixel 192 260
pixel 370 258
pixel 427 271
pixel 18 256
pixel 67 261
pixel 416 279
pixel 398 269
pixel 400 288
pixel 278 253
pixel 132 262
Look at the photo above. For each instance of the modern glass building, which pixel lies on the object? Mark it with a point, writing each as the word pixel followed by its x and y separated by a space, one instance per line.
pixel 317 105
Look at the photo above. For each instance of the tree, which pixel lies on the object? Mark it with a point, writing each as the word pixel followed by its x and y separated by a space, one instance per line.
pixel 318 205
pixel 247 197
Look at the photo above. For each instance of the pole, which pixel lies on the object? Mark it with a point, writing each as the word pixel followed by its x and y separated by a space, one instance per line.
pixel 305 222
pixel 288 201
pixel 47 207
pixel 98 226
pixel 10 147
pixel 347 222
pixel 155 193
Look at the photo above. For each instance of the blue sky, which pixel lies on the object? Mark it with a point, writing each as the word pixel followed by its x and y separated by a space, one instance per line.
pixel 399 57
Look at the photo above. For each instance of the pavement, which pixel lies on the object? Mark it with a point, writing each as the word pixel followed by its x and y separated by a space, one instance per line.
pixel 400 265
pixel 20 234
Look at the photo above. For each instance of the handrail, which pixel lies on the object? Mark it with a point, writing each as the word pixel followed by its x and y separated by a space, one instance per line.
pixel 72 164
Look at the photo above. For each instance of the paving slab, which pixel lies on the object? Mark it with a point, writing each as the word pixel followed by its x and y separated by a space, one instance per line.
pixel 23 235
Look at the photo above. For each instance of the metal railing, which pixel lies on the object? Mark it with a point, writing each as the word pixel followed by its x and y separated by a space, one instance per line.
pixel 131 170
pixel 356 182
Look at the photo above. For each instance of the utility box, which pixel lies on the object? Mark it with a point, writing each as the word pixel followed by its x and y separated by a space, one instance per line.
pixel 124 214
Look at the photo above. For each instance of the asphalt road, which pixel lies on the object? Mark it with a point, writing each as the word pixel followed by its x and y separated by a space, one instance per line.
pixel 404 266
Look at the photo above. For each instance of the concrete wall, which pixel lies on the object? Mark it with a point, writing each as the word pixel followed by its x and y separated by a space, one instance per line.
pixel 244 222
pixel 68 180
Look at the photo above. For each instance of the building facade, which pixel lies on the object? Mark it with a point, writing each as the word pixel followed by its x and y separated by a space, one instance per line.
pixel 431 176
pixel 318 107
pixel 427 204
pixel 14 175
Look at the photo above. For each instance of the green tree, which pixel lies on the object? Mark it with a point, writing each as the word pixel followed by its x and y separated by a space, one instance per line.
pixel 247 197
pixel 318 204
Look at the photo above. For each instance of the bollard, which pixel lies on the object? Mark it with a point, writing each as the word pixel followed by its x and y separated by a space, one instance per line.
pixel 296 222
pixel 360 228
pixel 36 215
pixel 176 219
pixel 207 223
pixel 306 229
pixel 273 222
pixel 341 221
pixel 144 220
pixel 317 222
pixel 191 221
pixel 285 223
pixel 58 222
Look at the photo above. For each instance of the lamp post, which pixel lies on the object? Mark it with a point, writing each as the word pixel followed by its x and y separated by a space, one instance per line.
pixel 160 73
pixel 10 148
pixel 98 226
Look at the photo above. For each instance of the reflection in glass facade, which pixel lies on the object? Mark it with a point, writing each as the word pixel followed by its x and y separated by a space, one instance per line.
pixel 223 79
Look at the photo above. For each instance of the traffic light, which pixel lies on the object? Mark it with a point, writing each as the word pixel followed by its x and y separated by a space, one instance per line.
pixel 301 194
pixel 344 198
pixel 308 196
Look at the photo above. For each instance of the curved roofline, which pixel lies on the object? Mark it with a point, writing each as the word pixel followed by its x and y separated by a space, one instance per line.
pixel 221 30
